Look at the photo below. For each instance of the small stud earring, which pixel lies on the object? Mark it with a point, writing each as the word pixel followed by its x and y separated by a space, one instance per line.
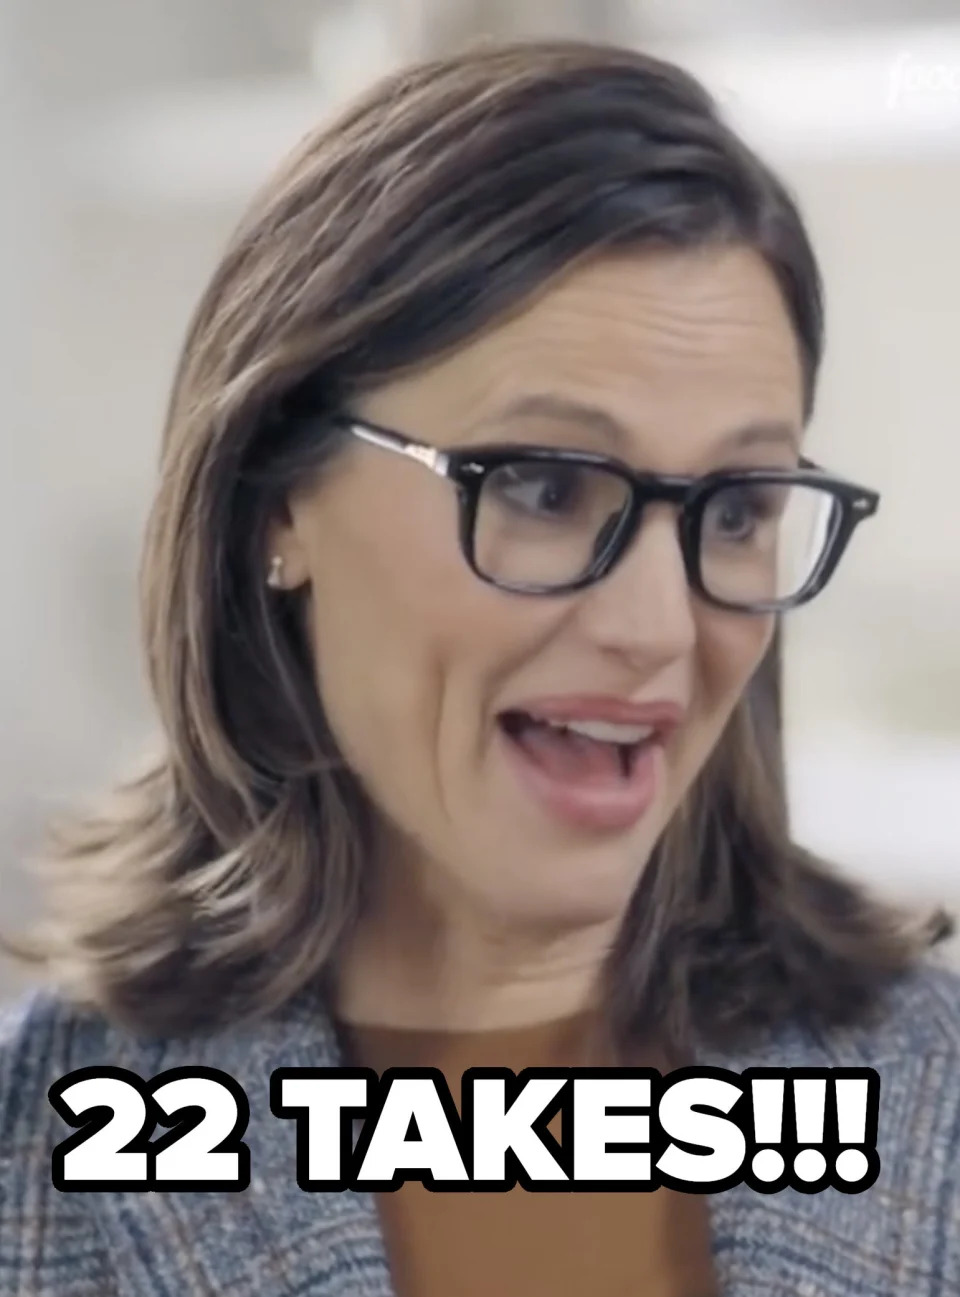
pixel 275 574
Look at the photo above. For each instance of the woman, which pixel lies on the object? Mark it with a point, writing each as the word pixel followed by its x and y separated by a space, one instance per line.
pixel 482 495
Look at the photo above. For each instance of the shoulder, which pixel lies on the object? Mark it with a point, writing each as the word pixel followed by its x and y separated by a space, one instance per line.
pixel 41 1039
pixel 923 1011
pixel 902 1235
pixel 912 1041
pixel 914 1046
pixel 44 1235
pixel 55 1244
pixel 917 1017
pixel 45 1037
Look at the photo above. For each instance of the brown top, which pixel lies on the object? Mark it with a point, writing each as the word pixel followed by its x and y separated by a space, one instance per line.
pixel 524 1244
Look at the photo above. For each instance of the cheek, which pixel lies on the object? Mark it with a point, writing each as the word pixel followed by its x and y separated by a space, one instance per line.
pixel 380 639
pixel 731 648
pixel 729 651
pixel 409 644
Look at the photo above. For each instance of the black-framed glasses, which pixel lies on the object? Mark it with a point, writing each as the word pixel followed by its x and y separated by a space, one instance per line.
pixel 545 521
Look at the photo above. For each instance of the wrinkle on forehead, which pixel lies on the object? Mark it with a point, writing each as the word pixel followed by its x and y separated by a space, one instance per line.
pixel 692 343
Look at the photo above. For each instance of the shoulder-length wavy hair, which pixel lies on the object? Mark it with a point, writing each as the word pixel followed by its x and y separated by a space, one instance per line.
pixel 228 875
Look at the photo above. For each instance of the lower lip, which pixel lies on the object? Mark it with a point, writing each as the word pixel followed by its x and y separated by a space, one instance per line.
pixel 614 804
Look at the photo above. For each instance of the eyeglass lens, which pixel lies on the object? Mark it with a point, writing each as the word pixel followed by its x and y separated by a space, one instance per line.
pixel 545 524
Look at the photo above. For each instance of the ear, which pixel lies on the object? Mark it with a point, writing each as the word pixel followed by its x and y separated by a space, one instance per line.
pixel 285 560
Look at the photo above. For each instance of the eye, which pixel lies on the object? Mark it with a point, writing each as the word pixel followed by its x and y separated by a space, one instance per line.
pixel 539 490
pixel 736 514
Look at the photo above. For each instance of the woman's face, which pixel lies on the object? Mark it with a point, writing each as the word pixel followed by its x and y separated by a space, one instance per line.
pixel 660 358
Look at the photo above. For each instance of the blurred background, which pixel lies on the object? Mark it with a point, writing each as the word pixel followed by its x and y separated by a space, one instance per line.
pixel 132 133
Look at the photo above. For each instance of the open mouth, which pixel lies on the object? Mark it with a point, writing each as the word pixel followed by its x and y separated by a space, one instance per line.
pixel 593 762
pixel 578 750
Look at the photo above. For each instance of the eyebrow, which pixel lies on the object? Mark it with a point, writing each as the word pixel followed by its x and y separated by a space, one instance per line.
pixel 773 432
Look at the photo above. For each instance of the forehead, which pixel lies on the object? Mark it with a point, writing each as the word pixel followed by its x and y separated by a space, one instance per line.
pixel 677 346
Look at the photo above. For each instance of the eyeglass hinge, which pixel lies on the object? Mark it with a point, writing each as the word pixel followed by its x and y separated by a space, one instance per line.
pixel 428 455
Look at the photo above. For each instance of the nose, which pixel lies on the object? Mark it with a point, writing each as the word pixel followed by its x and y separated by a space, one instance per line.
pixel 644 608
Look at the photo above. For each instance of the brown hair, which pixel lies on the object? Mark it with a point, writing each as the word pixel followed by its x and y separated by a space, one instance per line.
pixel 227 875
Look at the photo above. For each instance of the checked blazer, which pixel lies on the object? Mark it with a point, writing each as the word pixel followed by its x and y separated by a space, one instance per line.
pixel 901 1238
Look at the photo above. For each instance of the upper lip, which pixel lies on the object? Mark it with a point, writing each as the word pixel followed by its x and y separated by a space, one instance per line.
pixel 663 714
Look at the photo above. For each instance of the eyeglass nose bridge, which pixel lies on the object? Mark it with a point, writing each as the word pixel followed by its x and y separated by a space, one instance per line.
pixel 646 491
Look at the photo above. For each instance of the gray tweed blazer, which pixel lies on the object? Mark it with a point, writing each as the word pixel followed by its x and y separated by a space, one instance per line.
pixel 899 1239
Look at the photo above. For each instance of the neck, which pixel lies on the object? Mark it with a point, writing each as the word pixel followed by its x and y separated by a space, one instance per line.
pixel 428 964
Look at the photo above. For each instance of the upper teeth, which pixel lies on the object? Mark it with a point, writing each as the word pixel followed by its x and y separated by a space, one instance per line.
pixel 606 731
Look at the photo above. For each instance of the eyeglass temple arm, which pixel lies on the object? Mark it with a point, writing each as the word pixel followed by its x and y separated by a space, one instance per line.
pixel 429 456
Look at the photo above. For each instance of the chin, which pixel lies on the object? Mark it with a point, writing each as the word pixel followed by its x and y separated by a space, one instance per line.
pixel 575 888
